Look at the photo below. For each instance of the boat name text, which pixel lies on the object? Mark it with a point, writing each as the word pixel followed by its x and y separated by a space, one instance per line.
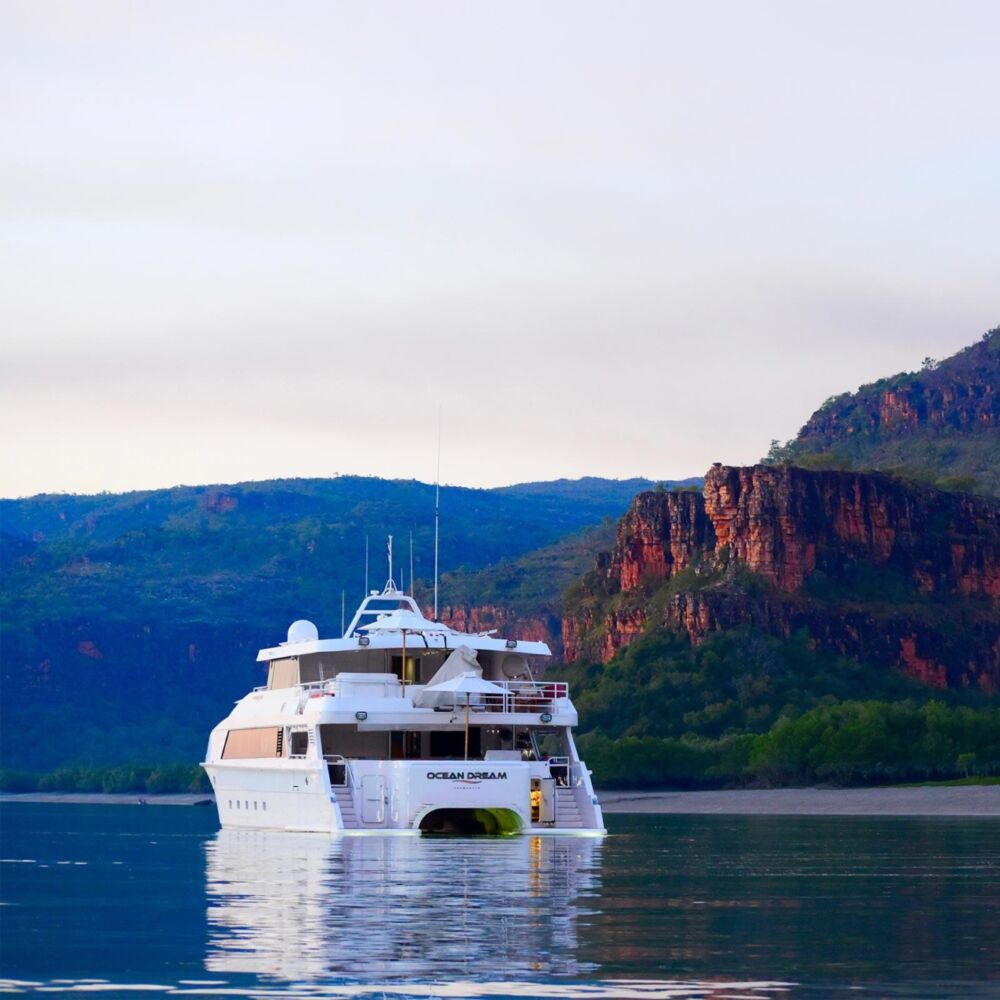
pixel 468 775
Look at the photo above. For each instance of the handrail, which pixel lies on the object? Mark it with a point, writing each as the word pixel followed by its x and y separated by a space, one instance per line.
pixel 532 696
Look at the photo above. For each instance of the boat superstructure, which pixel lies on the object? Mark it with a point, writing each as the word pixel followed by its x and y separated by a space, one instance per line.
pixel 402 725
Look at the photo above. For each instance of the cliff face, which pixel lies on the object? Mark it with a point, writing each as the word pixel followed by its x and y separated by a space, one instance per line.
pixel 659 535
pixel 784 523
pixel 901 576
pixel 962 393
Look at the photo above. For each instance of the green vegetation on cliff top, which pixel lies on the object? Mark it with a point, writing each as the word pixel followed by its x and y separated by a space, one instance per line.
pixel 939 426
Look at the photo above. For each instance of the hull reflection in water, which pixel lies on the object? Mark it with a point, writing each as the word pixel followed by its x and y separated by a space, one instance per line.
pixel 304 907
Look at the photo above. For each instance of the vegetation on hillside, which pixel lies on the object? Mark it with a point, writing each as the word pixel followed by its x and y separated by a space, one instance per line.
pixel 952 440
pixel 534 583
pixel 744 708
pixel 139 616
pixel 153 780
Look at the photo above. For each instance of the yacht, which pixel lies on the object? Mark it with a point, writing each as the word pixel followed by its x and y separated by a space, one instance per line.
pixel 402 725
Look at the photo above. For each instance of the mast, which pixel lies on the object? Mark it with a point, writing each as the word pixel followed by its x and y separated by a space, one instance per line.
pixel 437 516
pixel 411 564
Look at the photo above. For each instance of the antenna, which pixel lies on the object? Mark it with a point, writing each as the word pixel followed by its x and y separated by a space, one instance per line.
pixel 392 582
pixel 411 563
pixel 437 516
pixel 366 565
pixel 343 609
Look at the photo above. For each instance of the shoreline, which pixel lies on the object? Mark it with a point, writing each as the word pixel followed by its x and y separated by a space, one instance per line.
pixel 952 800
pixel 915 800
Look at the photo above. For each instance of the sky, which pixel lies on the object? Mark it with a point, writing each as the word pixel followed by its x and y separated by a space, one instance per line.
pixel 254 240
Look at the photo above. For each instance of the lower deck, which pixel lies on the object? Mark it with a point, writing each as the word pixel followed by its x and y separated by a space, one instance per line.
pixel 407 797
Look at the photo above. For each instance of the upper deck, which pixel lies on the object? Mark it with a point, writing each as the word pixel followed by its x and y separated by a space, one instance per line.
pixel 389 637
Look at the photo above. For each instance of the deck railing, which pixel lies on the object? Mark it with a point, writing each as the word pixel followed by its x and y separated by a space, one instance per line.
pixel 525 696
pixel 518 696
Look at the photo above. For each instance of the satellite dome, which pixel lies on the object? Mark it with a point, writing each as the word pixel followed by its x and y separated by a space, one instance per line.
pixel 302 631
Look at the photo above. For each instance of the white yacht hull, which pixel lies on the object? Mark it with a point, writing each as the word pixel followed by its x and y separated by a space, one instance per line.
pixel 402 797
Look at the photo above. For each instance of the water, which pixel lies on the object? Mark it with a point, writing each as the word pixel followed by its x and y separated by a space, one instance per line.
pixel 127 900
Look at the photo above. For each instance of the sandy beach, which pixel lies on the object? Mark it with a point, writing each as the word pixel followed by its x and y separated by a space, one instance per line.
pixel 954 800
pixel 960 800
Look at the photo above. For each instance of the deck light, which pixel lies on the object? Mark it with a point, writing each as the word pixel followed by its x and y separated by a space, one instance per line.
pixel 363 640
pixel 361 716
pixel 546 717
pixel 511 644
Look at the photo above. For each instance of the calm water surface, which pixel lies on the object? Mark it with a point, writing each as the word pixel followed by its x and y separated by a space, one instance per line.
pixel 127 900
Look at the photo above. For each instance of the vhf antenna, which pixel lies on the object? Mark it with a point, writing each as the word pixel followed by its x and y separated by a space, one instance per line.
pixel 437 516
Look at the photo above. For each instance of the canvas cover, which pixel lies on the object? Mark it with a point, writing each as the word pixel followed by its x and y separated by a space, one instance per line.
pixel 461 661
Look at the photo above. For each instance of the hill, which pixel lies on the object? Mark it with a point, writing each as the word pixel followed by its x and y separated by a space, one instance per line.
pixel 791 625
pixel 524 596
pixel 940 425
pixel 138 616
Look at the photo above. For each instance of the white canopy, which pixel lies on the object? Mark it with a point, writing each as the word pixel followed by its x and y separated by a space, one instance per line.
pixel 468 683
pixel 402 620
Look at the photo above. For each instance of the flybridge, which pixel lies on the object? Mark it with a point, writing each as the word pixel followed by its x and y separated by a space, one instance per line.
pixel 385 617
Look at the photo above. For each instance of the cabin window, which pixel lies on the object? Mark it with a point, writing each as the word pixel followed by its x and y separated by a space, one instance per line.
pixel 243 744
pixel 298 743
pixel 283 673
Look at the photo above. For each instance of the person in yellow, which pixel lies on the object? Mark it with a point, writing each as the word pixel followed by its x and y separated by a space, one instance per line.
pixel 536 804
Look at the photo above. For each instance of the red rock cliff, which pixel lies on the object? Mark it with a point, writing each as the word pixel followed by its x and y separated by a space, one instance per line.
pixel 790 527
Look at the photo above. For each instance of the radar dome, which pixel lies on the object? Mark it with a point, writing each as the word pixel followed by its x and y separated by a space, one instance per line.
pixel 302 631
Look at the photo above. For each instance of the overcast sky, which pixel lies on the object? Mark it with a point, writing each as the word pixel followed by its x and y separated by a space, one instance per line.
pixel 248 240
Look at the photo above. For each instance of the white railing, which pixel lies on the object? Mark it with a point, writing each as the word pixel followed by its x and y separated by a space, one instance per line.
pixel 529 697
pixel 521 697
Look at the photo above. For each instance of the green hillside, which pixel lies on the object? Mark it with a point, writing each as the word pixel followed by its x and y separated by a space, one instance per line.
pixel 135 619
pixel 534 584
pixel 747 708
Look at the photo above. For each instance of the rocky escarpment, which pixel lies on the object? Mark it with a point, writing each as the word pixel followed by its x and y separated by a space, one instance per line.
pixel 785 523
pixel 940 425
pixel 961 393
pixel 897 575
